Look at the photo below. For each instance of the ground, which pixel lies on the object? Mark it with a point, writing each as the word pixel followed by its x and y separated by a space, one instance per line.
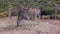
pixel 29 26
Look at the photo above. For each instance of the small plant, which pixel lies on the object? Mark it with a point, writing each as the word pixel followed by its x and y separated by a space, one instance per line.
pixel 5 13
pixel 52 16
pixel 58 16
pixel 45 17
pixel 2 15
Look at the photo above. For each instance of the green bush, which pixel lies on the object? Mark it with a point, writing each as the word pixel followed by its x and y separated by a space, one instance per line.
pixel 52 16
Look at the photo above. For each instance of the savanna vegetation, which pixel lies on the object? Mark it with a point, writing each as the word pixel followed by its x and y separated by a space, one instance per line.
pixel 46 6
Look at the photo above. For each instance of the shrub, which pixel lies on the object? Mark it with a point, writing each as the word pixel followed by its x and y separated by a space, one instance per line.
pixel 45 17
pixel 52 16
pixel 2 15
pixel 5 13
pixel 58 16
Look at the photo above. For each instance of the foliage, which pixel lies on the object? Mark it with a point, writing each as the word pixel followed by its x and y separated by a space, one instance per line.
pixel 39 3
pixel 52 16
pixel 2 15
pixel 58 16
pixel 46 6
pixel 45 17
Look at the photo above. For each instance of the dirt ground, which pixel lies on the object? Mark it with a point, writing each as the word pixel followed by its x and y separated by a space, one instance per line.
pixel 29 27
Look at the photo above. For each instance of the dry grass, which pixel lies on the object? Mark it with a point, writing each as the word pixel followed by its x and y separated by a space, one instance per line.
pixel 28 27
